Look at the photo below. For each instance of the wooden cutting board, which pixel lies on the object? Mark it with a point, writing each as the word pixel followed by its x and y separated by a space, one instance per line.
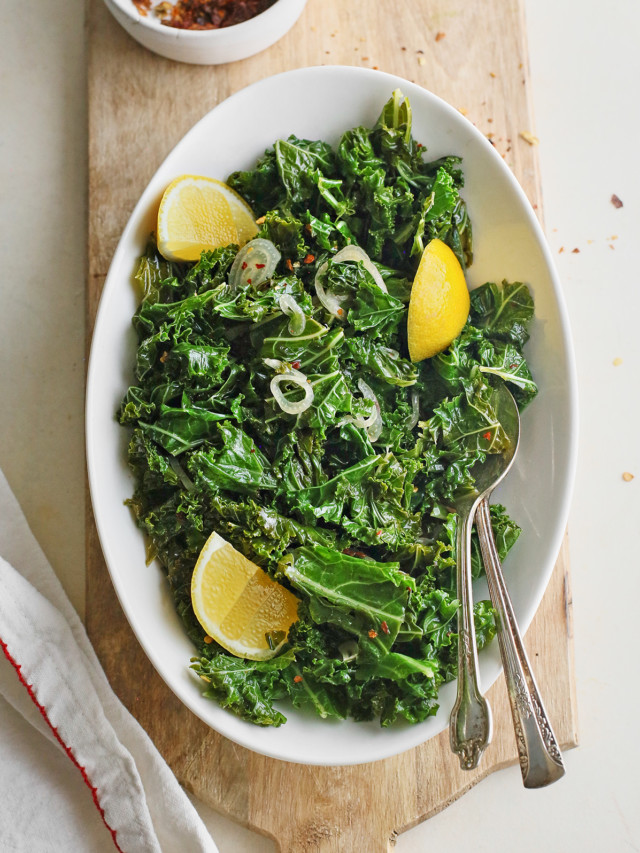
pixel 473 54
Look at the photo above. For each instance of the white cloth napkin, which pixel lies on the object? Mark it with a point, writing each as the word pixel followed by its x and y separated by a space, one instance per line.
pixel 77 772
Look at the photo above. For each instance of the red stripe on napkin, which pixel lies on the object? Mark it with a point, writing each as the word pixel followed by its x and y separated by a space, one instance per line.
pixel 67 749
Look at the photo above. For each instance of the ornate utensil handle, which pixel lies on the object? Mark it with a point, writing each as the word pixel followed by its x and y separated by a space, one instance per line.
pixel 470 722
pixel 540 758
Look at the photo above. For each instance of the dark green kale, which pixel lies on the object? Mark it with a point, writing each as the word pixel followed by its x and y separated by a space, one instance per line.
pixel 346 502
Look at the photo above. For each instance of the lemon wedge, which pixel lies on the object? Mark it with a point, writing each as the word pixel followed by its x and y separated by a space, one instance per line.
pixel 238 604
pixel 197 213
pixel 439 304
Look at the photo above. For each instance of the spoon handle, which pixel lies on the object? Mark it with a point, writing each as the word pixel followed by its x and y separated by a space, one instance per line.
pixel 540 758
pixel 470 722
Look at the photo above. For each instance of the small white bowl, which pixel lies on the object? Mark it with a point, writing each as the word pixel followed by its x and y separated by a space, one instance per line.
pixel 208 47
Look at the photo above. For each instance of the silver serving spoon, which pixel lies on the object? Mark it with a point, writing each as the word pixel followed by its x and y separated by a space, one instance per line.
pixel 538 751
pixel 470 721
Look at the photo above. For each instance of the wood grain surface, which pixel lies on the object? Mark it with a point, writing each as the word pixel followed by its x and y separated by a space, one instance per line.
pixel 473 54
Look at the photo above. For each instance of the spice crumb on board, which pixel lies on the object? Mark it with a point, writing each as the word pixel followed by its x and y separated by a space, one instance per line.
pixel 440 36
pixel 492 74
pixel 575 251
pixel 616 201
pixel 627 477
pixel 422 60
pixel 617 361
pixel 529 137
pixel 463 111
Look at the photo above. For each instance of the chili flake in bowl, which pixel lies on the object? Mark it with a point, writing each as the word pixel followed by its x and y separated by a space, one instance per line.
pixel 206 32
pixel 209 14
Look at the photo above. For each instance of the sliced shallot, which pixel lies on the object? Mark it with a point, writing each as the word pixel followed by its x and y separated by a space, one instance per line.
pixel 290 307
pixel 415 410
pixel 332 303
pixel 254 263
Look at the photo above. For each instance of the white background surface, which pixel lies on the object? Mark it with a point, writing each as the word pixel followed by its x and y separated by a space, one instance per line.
pixel 586 68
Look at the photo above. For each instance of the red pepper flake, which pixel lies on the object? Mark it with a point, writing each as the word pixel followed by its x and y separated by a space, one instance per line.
pixel 384 627
pixel 352 552
pixel 340 312
pixel 615 201
pixel 211 14
pixel 248 281
pixel 487 435
pixel 295 364
pixel 373 634
pixel 309 259
pixel 244 265
pixel 261 220
pixel 289 265
pixel 378 532
pixel 440 36
pixel 260 266
pixel 253 450
pixel 561 250
pixel 297 679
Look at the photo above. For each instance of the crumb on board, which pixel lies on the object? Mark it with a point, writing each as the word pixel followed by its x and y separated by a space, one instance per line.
pixel 617 361
pixel 422 60
pixel 440 36
pixel 616 201
pixel 575 251
pixel 492 74
pixel 561 250
pixel 627 477
pixel 529 137
pixel 463 111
